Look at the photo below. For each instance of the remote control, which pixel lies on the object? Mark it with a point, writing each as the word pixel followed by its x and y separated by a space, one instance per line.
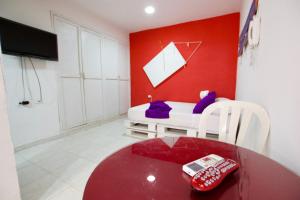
pixel 211 177
pixel 197 165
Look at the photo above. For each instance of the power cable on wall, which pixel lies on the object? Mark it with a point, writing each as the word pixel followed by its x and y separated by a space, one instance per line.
pixel 27 80
pixel 38 79
pixel 23 81
pixel 25 101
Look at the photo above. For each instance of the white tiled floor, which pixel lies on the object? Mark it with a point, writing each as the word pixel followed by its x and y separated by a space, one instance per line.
pixel 59 170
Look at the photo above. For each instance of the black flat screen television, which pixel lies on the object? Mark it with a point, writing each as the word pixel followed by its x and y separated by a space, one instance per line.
pixel 22 40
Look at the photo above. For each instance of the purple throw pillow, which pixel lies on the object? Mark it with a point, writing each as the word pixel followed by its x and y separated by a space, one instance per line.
pixel 203 103
pixel 158 105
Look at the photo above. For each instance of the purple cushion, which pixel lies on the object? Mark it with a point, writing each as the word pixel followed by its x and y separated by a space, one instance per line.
pixel 203 103
pixel 158 110
pixel 157 114
pixel 159 105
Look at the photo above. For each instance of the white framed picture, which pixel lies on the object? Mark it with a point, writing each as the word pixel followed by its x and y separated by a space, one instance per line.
pixel 164 64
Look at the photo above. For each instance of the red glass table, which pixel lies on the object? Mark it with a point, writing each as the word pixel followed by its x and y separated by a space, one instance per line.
pixel 153 170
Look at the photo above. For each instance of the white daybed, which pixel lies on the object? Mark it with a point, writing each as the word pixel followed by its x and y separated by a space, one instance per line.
pixel 182 121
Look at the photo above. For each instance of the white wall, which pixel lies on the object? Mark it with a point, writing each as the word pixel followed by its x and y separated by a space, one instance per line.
pixel 9 187
pixel 272 79
pixel 245 7
pixel 40 121
pixel 37 13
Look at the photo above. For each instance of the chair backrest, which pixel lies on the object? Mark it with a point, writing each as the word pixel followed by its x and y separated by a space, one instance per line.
pixel 234 120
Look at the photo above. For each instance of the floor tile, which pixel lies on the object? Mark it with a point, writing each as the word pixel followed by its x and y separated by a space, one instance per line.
pixel 43 188
pixel 57 160
pixel 30 173
pixel 69 194
pixel 60 169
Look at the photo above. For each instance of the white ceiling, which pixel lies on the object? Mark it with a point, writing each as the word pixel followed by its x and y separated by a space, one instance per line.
pixel 130 16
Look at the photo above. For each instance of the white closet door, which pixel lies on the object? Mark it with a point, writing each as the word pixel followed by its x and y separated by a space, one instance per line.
pixel 109 57
pixel 67 48
pixel 71 98
pixel 91 55
pixel 124 62
pixel 93 99
pixel 111 98
pixel 91 62
pixel 124 96
pixel 72 102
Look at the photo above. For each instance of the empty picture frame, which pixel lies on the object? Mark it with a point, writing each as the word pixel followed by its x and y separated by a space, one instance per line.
pixel 164 64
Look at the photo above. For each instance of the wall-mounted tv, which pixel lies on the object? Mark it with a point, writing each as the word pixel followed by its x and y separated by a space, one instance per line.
pixel 22 40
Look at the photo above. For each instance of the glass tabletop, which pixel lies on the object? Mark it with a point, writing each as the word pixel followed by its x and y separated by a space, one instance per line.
pixel 152 170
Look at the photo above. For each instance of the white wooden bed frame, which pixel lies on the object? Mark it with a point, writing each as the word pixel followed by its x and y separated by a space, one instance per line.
pixel 139 126
pixel 151 128
pixel 142 129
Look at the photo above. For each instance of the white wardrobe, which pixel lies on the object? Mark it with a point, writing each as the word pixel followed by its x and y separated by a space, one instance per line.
pixel 93 74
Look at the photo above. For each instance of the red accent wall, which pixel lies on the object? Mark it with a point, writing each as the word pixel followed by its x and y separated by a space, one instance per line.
pixel 212 67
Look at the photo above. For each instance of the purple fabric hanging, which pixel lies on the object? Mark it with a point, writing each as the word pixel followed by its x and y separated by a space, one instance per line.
pixel 244 33
pixel 158 110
